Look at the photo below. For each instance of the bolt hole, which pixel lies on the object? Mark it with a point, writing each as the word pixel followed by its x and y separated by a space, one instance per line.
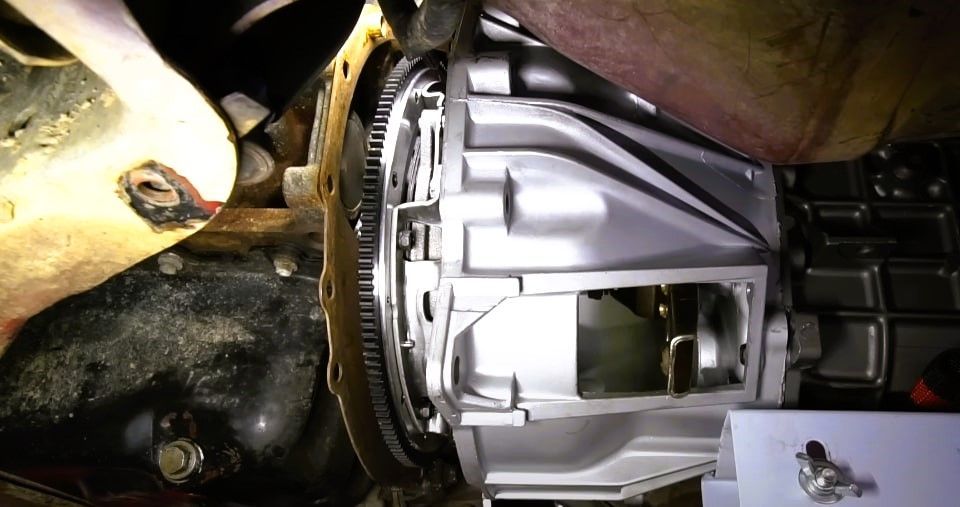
pixel 157 192
pixel 456 370
pixel 427 311
pixel 506 205
pixel 743 354
pixel 337 372
pixel 346 69
pixel 815 450
pixel 329 290
pixel 393 180
pixel 329 184
pixel 154 186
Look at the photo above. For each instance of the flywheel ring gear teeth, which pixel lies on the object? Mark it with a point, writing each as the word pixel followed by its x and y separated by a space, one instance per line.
pixel 370 209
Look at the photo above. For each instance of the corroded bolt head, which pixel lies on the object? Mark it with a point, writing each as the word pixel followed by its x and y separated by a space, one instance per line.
pixel 169 263
pixel 285 265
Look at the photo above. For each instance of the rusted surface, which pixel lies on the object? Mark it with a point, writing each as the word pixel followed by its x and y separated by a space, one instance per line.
pixel 295 221
pixel 786 82
pixel 73 133
pixel 163 198
pixel 240 229
pixel 339 292
pixel 301 184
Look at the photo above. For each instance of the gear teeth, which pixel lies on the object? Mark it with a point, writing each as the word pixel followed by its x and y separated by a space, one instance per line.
pixel 370 207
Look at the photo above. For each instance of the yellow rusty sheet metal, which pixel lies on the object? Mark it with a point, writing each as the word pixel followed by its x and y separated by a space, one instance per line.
pixel 126 159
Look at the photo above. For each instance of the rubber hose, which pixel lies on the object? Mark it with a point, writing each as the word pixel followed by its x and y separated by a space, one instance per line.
pixel 421 29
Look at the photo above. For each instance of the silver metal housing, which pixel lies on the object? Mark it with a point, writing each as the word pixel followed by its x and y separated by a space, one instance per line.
pixel 543 202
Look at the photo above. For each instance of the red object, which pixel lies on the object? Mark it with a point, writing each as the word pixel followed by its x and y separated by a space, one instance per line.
pixel 923 396
pixel 939 386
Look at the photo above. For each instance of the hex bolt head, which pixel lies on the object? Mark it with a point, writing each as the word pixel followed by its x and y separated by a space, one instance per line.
pixel 826 478
pixel 179 460
pixel 173 460
pixel 170 263
pixel 405 239
pixel 285 264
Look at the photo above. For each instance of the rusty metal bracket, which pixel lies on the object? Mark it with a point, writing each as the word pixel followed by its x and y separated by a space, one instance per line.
pixel 319 181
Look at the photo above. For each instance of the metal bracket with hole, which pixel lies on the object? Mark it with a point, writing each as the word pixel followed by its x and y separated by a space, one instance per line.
pixel 339 291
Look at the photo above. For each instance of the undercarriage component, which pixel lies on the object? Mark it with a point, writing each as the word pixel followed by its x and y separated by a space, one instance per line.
pixel 183 433
pixel 208 381
pixel 424 26
pixel 537 284
pixel 97 172
pixel 786 82
pixel 542 271
pixel 402 147
pixel 873 270
pixel 318 185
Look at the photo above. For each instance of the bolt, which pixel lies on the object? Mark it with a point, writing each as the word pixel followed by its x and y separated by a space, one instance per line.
pixel 665 289
pixel 285 264
pixel 405 239
pixel 826 478
pixel 170 263
pixel 179 460
pixel 172 460
pixel 663 310
pixel 425 412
